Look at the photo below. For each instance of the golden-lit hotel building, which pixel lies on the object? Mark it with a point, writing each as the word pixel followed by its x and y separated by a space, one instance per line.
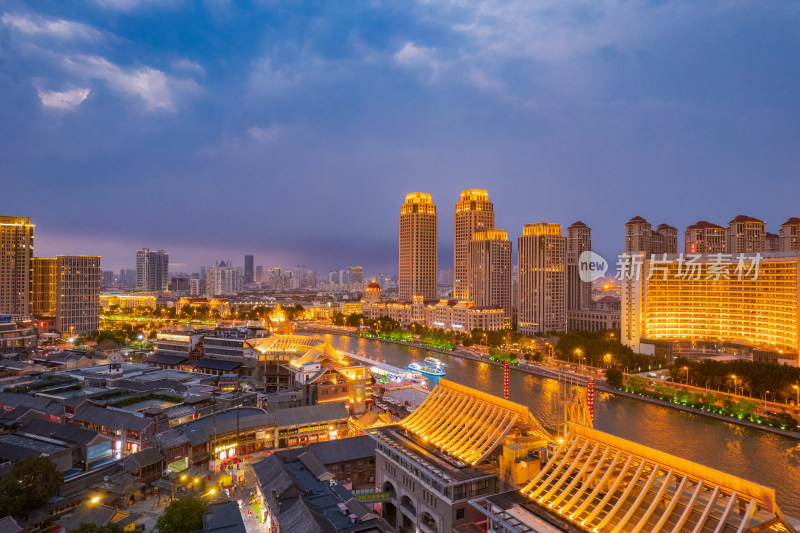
pixel 418 252
pixel 754 316
pixel 44 294
pixel 542 258
pixel 474 213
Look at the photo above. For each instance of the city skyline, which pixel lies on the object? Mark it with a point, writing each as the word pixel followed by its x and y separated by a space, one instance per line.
pixel 311 119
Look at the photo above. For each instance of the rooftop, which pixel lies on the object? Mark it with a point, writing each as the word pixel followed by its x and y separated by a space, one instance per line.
pixel 744 218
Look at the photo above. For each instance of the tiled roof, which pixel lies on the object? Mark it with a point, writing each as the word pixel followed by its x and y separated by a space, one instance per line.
pixel 744 218
pixel 111 418
pixel 143 458
pixel 310 414
pixel 217 364
pixel 341 450
pixel 791 221
pixel 165 358
pixel 578 224
pixel 637 220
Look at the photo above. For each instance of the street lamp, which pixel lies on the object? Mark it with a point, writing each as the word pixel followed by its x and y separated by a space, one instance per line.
pixel 734 384
pixel 765 402
pixel 797 390
pixel 687 374
pixel 607 359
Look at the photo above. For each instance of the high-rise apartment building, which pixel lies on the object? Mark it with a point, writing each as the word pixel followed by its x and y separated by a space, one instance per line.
pixel 579 240
pixel 789 235
pixel 418 247
pixel 474 213
pixel 248 269
pixel 16 252
pixel 746 235
pixel 43 292
pixel 705 238
pixel 258 277
pixel 354 275
pixel 772 242
pixel 542 257
pixel 152 270
pixel 638 236
pixel 223 280
pixel 489 270
pixel 77 294
pixel 665 240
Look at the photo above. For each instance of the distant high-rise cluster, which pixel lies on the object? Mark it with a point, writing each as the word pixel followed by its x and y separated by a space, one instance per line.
pixel 743 234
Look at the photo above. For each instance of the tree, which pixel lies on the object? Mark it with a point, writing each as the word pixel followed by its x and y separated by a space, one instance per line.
pixel 636 384
pixel 614 377
pixel 182 516
pixel 32 481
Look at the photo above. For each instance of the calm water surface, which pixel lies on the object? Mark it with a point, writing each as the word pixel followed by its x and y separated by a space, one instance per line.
pixel 765 458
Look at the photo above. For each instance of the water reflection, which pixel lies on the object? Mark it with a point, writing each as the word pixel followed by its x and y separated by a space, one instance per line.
pixel 765 458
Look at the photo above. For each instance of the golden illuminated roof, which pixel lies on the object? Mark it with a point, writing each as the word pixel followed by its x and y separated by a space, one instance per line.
pixel 468 424
pixel 542 228
pixel 418 198
pixel 319 353
pixel 600 482
pixel 490 235
pixel 288 344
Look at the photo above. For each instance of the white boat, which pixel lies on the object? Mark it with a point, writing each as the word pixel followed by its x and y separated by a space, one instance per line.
pixel 426 368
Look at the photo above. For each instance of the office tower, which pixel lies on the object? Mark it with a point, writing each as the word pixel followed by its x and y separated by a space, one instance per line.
pixel 474 213
pixel 259 274
pixel 43 293
pixel 197 287
pixel 77 294
pixel 248 269
pixel 542 257
pixel 745 235
pixel 489 269
pixel 16 252
pixel 638 236
pixel 311 279
pixel 665 240
pixel 771 242
pixel 418 252
pixel 152 270
pixel 789 235
pixel 704 238
pixel 718 308
pixel 333 277
pixel 203 272
pixel 579 240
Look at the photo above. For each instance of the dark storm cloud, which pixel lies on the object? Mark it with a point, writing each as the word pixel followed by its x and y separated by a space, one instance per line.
pixel 294 133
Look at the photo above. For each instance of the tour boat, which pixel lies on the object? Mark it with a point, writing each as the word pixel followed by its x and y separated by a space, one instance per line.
pixel 426 368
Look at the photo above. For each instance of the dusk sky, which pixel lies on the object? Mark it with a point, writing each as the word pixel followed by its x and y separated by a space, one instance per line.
pixel 293 132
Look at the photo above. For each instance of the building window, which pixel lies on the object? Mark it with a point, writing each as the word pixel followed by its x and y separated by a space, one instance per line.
pixel 460 514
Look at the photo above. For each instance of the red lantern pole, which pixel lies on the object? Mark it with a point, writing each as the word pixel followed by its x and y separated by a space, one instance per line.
pixel 505 380
pixel 590 397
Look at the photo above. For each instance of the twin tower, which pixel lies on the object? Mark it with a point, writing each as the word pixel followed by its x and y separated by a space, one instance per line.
pixel 482 260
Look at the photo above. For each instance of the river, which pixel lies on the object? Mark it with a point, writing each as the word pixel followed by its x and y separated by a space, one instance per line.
pixel 766 458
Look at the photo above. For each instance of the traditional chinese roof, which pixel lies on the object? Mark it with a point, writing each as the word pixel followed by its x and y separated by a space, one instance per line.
pixel 319 353
pixel 288 344
pixel 745 218
pixel 600 482
pixel 469 424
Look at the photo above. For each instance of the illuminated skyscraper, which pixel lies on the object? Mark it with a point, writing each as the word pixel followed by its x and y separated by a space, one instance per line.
pixel 542 257
pixel 16 251
pixel 418 240
pixel 474 213
pixel 489 270
pixel 152 270
pixel 579 240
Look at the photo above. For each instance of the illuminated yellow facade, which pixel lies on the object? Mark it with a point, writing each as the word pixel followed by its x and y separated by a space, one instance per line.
pixel 474 213
pixel 761 313
pixel 44 294
pixel 418 252
pixel 542 257
pixel 16 251
pixel 127 301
